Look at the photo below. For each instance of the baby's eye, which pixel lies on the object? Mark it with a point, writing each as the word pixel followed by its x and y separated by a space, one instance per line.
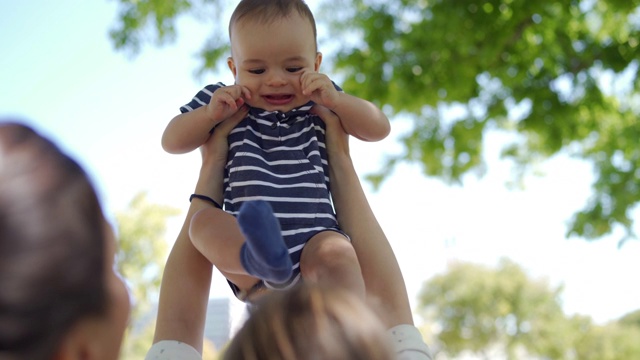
pixel 294 69
pixel 257 71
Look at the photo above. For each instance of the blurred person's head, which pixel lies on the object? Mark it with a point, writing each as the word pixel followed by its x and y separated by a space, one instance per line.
pixel 59 295
pixel 311 322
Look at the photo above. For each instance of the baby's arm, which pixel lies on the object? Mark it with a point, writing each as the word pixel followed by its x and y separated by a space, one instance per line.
pixel 359 117
pixel 187 131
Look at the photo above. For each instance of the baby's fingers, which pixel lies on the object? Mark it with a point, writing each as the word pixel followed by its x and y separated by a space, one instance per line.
pixel 245 92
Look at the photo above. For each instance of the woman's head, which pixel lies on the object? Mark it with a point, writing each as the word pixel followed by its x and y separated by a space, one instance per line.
pixel 58 292
pixel 311 322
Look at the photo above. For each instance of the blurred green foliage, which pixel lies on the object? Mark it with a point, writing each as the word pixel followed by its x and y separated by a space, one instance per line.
pixel 560 76
pixel 503 313
pixel 140 259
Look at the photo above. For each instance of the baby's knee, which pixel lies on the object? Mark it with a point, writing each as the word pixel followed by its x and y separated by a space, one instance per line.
pixel 198 224
pixel 336 250
pixel 329 255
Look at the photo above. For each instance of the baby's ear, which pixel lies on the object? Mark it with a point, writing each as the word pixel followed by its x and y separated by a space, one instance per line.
pixel 318 61
pixel 232 66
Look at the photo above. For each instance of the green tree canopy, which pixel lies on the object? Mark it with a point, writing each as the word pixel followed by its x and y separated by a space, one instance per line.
pixel 631 319
pixel 613 341
pixel 142 248
pixel 561 76
pixel 501 312
pixel 486 310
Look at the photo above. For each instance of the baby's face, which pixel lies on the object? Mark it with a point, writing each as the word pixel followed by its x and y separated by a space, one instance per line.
pixel 269 59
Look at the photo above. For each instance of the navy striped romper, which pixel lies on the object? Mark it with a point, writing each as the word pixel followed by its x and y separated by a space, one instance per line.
pixel 280 158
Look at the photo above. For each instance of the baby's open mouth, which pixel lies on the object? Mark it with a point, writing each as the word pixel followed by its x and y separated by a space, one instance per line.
pixel 278 99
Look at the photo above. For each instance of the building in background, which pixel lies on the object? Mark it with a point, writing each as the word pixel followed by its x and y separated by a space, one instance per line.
pixel 224 317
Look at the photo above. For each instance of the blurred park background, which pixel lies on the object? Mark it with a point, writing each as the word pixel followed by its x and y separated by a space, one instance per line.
pixel 508 187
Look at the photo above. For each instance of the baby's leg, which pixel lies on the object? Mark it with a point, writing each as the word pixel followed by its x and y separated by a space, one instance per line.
pixel 251 245
pixel 216 235
pixel 329 258
pixel 264 253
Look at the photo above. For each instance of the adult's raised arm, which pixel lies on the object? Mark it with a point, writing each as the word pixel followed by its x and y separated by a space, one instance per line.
pixel 382 275
pixel 184 292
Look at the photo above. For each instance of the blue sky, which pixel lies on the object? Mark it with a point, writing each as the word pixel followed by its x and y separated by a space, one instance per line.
pixel 59 72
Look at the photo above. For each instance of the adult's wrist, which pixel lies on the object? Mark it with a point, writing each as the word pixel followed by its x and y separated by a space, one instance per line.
pixel 339 157
pixel 209 180
pixel 212 165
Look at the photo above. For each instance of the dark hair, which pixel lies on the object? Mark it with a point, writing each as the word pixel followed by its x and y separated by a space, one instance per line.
pixel 52 245
pixel 313 323
pixel 269 10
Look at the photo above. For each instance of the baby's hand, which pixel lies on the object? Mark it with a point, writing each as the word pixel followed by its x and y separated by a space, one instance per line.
pixel 319 88
pixel 226 101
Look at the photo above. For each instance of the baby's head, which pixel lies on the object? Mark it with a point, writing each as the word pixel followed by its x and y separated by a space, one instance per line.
pixel 267 11
pixel 273 42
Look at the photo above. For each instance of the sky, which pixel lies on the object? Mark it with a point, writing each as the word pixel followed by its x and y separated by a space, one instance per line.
pixel 60 73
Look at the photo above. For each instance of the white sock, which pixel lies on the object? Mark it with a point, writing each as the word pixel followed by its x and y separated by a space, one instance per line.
pixel 408 343
pixel 172 350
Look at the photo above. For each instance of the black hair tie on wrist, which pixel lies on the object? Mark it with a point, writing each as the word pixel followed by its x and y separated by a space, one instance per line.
pixel 205 198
